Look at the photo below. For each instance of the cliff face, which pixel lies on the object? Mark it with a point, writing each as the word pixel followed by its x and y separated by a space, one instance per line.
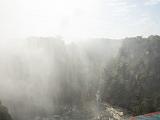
pixel 133 77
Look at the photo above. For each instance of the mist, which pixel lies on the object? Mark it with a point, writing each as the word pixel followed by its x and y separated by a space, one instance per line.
pixel 79 59
pixel 38 74
pixel 48 78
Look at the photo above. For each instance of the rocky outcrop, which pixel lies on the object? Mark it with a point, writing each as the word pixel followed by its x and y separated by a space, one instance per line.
pixel 4 115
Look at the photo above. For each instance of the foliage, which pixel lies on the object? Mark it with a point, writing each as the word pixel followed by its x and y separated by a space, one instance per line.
pixel 132 81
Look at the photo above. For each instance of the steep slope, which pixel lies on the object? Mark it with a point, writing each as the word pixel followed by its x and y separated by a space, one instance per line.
pixel 133 77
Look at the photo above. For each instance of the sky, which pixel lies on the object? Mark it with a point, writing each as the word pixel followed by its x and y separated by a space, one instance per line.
pixel 79 18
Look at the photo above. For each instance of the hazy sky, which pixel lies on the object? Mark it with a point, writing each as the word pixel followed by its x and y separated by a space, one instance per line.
pixel 79 18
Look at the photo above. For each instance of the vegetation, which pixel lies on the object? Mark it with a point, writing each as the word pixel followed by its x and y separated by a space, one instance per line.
pixel 59 78
pixel 132 79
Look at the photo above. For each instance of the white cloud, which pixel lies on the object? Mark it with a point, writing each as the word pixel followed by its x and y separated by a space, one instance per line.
pixel 120 8
pixel 152 2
